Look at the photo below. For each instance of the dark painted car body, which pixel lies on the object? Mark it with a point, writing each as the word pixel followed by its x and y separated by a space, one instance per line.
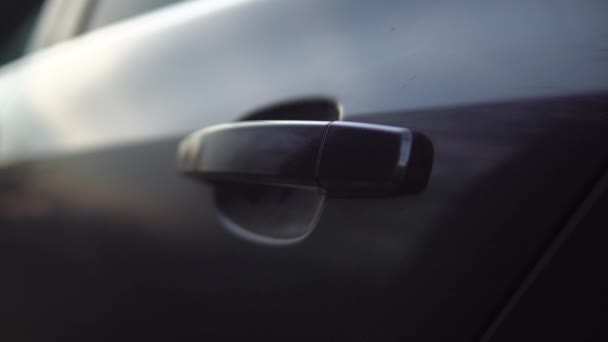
pixel 102 237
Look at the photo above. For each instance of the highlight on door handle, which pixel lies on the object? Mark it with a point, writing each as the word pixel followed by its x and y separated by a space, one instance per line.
pixel 342 158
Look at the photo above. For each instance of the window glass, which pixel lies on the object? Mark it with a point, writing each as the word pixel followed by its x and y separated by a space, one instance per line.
pixel 64 19
pixel 16 26
pixel 105 12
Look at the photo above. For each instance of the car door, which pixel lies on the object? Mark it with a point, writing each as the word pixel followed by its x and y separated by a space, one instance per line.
pixel 103 238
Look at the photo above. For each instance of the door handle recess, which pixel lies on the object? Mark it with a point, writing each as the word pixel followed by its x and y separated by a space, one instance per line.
pixel 342 158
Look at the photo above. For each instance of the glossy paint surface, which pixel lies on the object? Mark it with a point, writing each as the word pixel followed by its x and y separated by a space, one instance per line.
pixel 112 240
pixel 208 62
pixel 103 239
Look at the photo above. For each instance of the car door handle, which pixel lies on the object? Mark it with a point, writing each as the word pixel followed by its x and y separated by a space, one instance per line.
pixel 342 158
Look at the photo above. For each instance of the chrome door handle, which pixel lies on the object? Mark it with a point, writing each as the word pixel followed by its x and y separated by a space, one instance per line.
pixel 342 158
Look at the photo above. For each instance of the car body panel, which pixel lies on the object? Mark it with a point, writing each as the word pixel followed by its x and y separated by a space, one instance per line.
pixel 207 62
pixel 122 230
pixel 93 208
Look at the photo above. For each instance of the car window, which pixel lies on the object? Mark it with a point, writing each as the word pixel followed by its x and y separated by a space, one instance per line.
pixel 64 19
pixel 16 27
pixel 106 12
